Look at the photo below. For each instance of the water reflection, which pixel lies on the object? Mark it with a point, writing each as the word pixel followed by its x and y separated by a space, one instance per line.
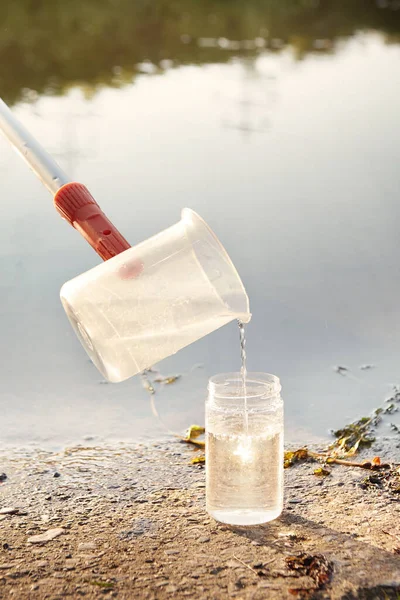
pixel 249 109
pixel 276 121
pixel 48 47
pixel 72 148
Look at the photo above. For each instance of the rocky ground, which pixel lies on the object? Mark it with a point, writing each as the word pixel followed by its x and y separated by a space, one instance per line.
pixel 129 522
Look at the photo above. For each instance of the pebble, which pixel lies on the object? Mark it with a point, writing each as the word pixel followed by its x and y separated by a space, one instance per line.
pixel 46 581
pixel 45 518
pixel 295 501
pixel 203 539
pixel 170 552
pixel 232 563
pixel 9 511
pixel 57 474
pixel 3 476
pixel 70 564
pixel 87 546
pixel 283 534
pixel 49 535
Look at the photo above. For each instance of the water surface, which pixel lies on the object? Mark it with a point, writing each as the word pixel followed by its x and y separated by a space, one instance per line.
pixel 277 123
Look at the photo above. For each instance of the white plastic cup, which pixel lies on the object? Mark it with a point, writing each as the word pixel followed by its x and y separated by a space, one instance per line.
pixel 150 301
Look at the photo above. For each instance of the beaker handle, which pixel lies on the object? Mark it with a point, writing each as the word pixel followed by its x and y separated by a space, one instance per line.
pixel 76 204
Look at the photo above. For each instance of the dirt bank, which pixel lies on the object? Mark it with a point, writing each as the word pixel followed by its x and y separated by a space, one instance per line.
pixel 129 522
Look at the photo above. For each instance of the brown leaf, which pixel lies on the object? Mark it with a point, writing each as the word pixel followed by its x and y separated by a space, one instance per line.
pixel 317 566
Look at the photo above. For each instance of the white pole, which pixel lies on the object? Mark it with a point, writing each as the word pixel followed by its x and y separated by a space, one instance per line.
pixel 41 163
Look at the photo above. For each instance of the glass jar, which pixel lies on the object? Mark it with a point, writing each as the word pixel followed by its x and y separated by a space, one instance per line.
pixel 244 448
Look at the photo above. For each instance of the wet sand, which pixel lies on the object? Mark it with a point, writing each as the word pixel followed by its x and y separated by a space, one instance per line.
pixel 129 521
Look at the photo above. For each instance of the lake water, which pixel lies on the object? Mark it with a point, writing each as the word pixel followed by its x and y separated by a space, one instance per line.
pixel 278 124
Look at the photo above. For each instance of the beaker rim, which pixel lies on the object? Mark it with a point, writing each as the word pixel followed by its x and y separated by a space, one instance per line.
pixel 269 385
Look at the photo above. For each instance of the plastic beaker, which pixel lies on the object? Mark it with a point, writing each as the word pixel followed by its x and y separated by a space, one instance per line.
pixel 150 301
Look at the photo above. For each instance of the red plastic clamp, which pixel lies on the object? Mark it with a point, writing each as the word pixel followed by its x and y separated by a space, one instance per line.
pixel 76 204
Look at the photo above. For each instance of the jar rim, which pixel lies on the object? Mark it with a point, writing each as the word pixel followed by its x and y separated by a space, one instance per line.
pixel 269 384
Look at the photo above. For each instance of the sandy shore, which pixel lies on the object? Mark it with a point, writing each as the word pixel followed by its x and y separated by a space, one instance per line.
pixel 130 522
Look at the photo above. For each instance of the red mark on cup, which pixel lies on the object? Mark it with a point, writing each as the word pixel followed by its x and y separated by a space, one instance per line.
pixel 130 270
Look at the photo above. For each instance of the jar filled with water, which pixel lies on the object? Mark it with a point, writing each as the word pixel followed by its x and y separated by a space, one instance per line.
pixel 244 448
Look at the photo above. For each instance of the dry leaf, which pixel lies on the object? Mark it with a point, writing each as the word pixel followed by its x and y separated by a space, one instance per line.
pixel 198 460
pixel 167 380
pixel 317 566
pixel 321 472
pixel 291 457
pixel 194 431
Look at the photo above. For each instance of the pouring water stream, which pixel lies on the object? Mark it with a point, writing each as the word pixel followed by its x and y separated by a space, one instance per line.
pixel 243 372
